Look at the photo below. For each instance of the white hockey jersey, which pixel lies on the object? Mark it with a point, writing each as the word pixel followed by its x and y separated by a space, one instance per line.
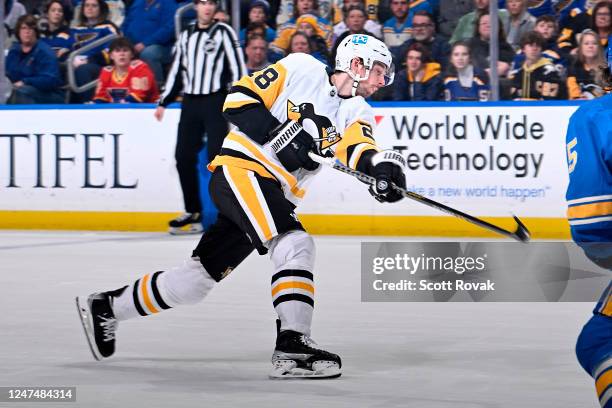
pixel 298 87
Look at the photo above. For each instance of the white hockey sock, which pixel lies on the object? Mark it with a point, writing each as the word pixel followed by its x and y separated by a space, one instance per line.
pixel 186 284
pixel 293 255
pixel 293 299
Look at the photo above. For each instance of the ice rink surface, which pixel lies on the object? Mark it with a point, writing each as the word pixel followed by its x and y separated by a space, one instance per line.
pixel 216 353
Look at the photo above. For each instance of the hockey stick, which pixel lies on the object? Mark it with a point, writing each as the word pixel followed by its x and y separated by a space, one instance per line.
pixel 521 233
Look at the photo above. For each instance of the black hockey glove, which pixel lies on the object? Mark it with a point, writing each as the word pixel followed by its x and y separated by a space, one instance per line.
pixel 291 143
pixel 387 167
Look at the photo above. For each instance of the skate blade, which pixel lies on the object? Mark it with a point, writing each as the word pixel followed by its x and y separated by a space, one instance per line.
pixel 186 230
pixel 83 310
pixel 289 370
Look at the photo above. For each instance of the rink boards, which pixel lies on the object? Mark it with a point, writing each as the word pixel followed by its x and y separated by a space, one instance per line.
pixel 112 168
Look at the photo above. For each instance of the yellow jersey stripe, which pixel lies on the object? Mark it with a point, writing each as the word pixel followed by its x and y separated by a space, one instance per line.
pixel 237 100
pixel 415 3
pixel 145 294
pixel 565 35
pixel 292 285
pixel 238 104
pixel 606 307
pixel 590 210
pixel 288 178
pixel 225 160
pixel 247 195
pixel 603 367
pixel 603 382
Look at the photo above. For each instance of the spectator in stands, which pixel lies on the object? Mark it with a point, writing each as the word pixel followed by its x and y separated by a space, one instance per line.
pixel 424 33
pixel 584 78
pixel 421 80
pixel 93 24
pixel 520 23
pixel 385 8
pixel 222 16
pixel 537 78
pixel 599 20
pixel 255 29
pixel 307 24
pixel 463 81
pixel 284 32
pixel 356 18
pixel 128 79
pixel 116 11
pixel 288 9
pixel 398 29
pixel 258 14
pixel 341 27
pixel 10 19
pixel 541 7
pixel 32 67
pixel 449 13
pixel 574 17
pixel 56 33
pixel 256 51
pixel 479 46
pixel 467 24
pixel 301 42
pixel 546 26
pixel 149 25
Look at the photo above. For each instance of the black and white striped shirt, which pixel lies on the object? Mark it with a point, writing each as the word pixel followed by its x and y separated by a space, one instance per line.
pixel 205 61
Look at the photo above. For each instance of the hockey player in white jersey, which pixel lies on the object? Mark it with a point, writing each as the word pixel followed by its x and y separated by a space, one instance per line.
pixel 281 114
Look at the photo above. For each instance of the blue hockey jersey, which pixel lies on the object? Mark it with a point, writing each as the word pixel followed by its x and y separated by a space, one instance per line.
pixel 478 90
pixel 589 193
pixel 604 305
pixel 589 158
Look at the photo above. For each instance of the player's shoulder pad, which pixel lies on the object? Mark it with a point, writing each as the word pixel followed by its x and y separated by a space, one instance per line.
pixel 304 65
pixel 590 111
pixel 356 108
pixel 305 62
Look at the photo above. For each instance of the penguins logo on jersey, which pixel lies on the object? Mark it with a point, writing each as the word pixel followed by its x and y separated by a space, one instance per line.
pixel 328 136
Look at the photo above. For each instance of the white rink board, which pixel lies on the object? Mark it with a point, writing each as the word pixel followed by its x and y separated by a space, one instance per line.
pixel 111 159
pixel 145 160
pixel 493 192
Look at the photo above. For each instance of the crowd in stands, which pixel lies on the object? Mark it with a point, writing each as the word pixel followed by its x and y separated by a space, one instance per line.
pixel 548 49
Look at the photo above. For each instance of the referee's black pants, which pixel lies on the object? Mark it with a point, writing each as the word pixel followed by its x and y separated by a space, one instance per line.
pixel 199 114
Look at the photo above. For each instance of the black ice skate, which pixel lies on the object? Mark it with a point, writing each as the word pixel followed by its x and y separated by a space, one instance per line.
pixel 186 223
pixel 296 357
pixel 99 323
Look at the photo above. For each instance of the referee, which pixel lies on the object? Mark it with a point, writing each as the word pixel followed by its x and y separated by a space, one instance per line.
pixel 207 59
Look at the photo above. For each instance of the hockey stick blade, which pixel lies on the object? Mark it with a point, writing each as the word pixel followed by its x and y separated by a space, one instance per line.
pixel 521 233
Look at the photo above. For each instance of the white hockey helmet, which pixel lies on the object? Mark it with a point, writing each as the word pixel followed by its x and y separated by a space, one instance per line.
pixel 370 50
